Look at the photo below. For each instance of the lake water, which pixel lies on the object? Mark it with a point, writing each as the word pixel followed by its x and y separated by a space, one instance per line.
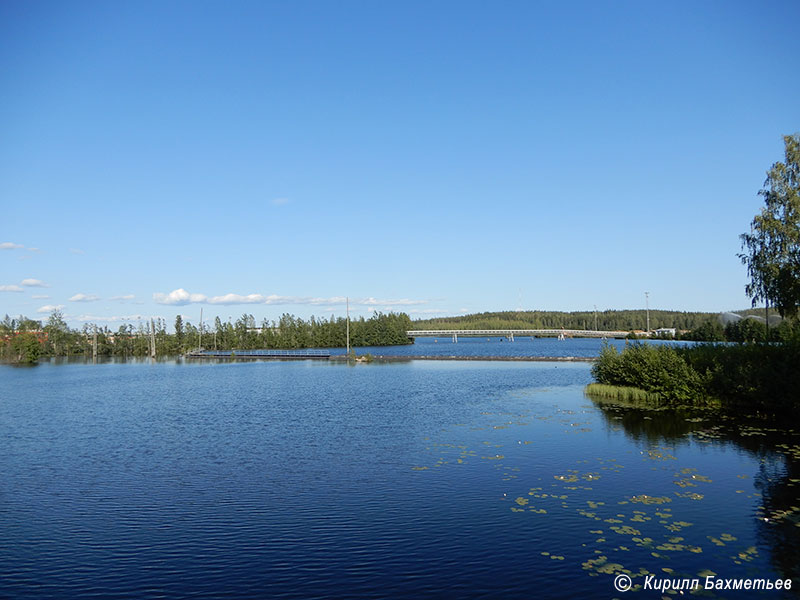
pixel 422 479
pixel 498 346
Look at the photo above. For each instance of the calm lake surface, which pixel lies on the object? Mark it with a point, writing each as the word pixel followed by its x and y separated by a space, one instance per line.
pixel 422 479
pixel 498 346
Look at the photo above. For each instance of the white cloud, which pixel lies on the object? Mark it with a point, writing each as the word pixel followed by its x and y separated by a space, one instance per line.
pixel 10 246
pixel 40 296
pixel 401 302
pixel 113 319
pixel 463 310
pixel 332 300
pixel 33 283
pixel 178 297
pixel 10 288
pixel 77 251
pixel 181 297
pixel 238 299
pixel 429 311
pixel 84 298
pixel 32 249
pixel 49 308
pixel 280 201
pixel 125 297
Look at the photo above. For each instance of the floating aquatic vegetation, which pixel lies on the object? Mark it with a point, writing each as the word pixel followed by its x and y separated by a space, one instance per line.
pixel 660 453
pixel 625 530
pixel 690 495
pixel 745 556
pixel 615 526
pixel 645 499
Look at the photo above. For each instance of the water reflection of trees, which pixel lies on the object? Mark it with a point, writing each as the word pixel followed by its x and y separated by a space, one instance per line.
pixel 776 448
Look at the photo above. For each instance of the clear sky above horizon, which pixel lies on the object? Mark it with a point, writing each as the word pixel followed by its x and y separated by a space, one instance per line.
pixel 433 158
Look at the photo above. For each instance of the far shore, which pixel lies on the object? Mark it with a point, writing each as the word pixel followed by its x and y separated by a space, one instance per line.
pixel 383 357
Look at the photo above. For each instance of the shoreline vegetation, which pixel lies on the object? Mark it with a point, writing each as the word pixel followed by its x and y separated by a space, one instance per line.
pixel 24 341
pixel 688 325
pixel 759 378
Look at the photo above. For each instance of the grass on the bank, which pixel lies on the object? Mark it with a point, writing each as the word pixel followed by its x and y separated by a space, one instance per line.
pixel 620 392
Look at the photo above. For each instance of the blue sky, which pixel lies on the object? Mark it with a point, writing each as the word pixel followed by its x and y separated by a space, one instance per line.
pixel 430 157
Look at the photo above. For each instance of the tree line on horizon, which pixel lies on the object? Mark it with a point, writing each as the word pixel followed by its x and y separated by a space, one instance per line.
pixel 607 320
pixel 25 340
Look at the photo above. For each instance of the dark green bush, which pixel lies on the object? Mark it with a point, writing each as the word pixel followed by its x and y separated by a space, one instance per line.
pixel 656 369
pixel 762 377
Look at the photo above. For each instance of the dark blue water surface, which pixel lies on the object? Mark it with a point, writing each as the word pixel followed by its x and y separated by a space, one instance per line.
pixel 499 346
pixel 423 479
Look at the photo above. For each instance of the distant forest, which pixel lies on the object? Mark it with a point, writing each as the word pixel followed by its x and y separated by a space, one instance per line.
pixel 608 320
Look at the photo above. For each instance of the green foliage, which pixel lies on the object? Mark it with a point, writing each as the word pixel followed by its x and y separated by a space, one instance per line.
pixel 760 377
pixel 746 330
pixel 772 248
pixel 764 377
pixel 243 334
pixel 656 369
pixel 25 348
pixel 179 329
pixel 710 331
pixel 617 392
pixel 609 320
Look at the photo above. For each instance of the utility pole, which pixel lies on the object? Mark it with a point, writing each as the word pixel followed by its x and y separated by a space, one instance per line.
pixel 200 343
pixel 595 317
pixel 348 325
pixel 94 345
pixel 152 338
pixel 647 308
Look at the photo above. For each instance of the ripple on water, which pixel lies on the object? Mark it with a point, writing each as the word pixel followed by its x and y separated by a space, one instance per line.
pixel 297 480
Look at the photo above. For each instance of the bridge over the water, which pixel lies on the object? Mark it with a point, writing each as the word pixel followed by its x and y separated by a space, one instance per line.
pixel 510 333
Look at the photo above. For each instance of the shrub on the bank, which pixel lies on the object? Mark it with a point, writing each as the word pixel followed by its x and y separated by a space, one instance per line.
pixel 762 377
pixel 754 377
pixel 655 369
